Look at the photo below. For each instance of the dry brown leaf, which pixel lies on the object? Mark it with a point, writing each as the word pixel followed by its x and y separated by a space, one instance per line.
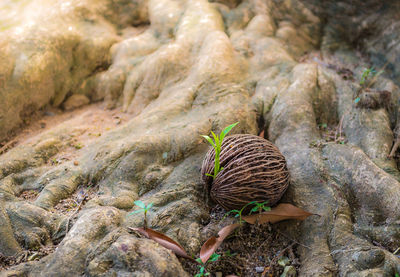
pixel 163 240
pixel 261 134
pixel 281 212
pixel 211 245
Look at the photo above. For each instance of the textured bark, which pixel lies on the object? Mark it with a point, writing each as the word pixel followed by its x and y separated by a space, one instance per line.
pixel 197 66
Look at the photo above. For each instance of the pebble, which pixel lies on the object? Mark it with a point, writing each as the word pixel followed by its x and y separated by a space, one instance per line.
pixel 260 269
pixel 75 101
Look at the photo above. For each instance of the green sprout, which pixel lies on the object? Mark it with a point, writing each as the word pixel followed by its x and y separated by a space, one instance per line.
pixel 202 266
pixel 144 208
pixel 367 74
pixel 323 126
pixel 217 143
pixel 258 207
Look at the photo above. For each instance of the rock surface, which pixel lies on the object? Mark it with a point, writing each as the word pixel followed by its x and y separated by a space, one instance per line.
pixel 75 101
pixel 179 69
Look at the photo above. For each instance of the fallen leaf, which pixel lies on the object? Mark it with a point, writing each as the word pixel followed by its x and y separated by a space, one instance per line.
pixel 281 212
pixel 261 134
pixel 163 240
pixel 212 244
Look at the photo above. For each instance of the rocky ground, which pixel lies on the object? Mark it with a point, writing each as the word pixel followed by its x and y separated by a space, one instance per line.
pixel 103 103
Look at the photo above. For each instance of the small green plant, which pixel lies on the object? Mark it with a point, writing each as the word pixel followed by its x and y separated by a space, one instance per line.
pixel 368 78
pixel 367 74
pixel 202 266
pixel 258 207
pixel 217 146
pixel 144 208
pixel 323 126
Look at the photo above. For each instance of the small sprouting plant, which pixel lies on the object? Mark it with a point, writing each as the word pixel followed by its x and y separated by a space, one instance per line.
pixel 367 74
pixel 368 78
pixel 144 208
pixel 217 143
pixel 323 126
pixel 259 207
pixel 202 266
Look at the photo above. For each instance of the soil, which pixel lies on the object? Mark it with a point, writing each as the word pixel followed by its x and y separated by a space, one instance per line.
pixel 252 250
pixel 95 117
pixel 25 256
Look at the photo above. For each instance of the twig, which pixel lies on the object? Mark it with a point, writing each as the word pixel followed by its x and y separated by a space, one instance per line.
pixel 6 146
pixel 76 211
pixel 267 269
pixel 339 129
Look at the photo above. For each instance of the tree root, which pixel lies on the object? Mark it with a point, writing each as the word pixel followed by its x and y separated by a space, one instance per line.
pixel 199 67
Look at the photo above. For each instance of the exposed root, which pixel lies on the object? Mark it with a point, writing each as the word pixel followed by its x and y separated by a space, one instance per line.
pixel 198 67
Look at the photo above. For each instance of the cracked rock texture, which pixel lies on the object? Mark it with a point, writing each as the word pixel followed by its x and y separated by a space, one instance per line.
pixel 179 69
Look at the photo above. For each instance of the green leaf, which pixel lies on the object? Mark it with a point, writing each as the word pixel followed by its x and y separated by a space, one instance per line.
pixel 217 142
pixel 199 261
pixel 267 209
pixel 140 204
pixel 357 100
pixel 227 130
pixel 137 211
pixel 202 269
pixel 228 213
pixel 209 175
pixel 254 209
pixel 209 140
pixel 214 257
pixel 149 206
pixel 207 274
